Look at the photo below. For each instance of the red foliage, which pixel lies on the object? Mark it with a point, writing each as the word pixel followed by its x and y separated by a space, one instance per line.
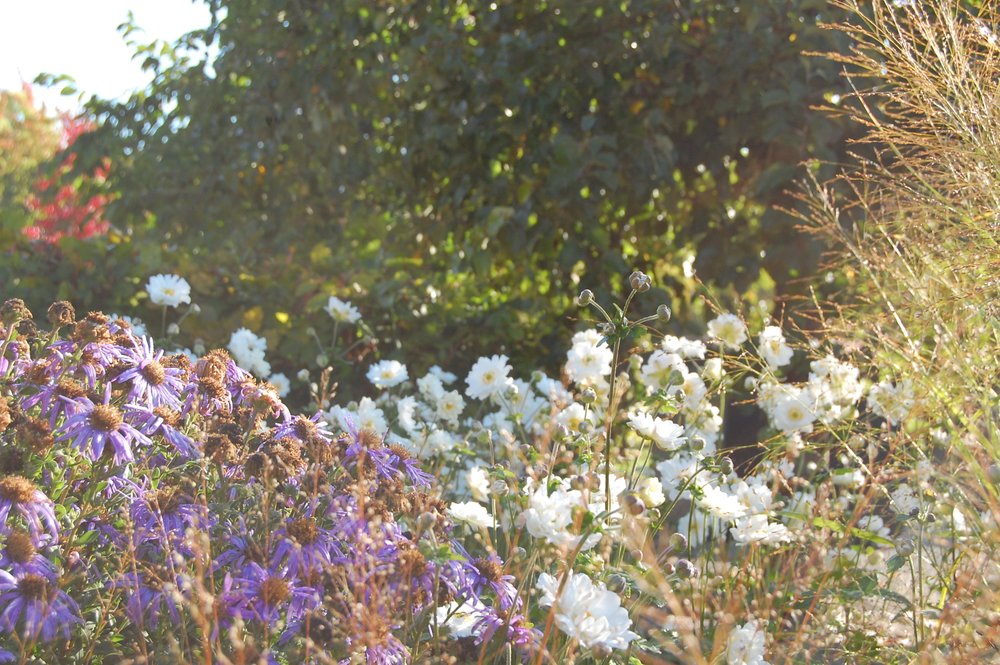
pixel 59 206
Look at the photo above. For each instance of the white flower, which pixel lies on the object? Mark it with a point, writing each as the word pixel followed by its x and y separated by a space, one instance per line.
pixel 693 389
pixel 387 373
pixel 756 529
pixel 890 401
pixel 280 383
pixel 721 504
pixel 746 645
pixel 587 612
pixel 773 349
pixel 441 441
pixel 472 513
pixel 342 311
pixel 449 406
pixel 478 481
pixel 650 490
pixel 664 433
pixel 687 348
pixel 488 377
pixel 550 516
pixel 713 370
pixel 728 329
pixel 588 359
pixel 904 500
pixel 137 326
pixel 792 410
pixel 365 416
pixel 658 367
pixel 461 619
pixel 676 472
pixel 248 352
pixel 168 290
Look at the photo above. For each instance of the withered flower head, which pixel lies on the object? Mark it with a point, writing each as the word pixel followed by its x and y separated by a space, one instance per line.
pixel 14 310
pixel 61 313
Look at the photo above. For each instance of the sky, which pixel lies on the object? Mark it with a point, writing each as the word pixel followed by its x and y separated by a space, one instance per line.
pixel 80 38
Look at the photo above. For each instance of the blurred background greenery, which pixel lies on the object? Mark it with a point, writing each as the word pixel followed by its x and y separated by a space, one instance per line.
pixel 458 170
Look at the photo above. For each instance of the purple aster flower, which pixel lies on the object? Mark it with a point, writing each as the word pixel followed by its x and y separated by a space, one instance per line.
pixel 519 633
pixel 96 425
pixel 303 546
pixel 164 421
pixel 20 495
pixel 20 556
pixel 151 382
pixel 39 606
pixel 164 514
pixel 149 593
pixel 269 591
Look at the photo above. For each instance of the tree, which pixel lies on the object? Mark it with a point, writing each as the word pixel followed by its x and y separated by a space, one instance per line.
pixel 469 165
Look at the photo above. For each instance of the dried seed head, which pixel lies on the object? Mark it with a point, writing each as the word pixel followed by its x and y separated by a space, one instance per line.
pixel 61 313
pixel 13 311
pixel 20 547
pixel 304 531
pixel 17 489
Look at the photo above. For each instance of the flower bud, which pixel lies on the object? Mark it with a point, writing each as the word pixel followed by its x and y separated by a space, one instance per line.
pixel 725 466
pixel 632 504
pixel 678 541
pixel 173 329
pixel 905 546
pixel 303 374
pixel 585 298
pixel 617 582
pixel 322 360
pixel 687 570
pixel 639 281
pixel 696 444
pixel 195 308
pixel 588 396
pixel 426 521
pixel 663 313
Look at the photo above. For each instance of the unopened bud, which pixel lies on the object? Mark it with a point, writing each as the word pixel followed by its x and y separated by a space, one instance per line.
pixel 322 360
pixel 725 466
pixel 303 374
pixel 696 444
pixel 905 546
pixel 585 298
pixel 173 329
pixel 588 396
pixel 195 308
pixel 686 569
pixel 663 313
pixel 678 541
pixel 632 504
pixel 426 521
pixel 639 281
pixel 617 582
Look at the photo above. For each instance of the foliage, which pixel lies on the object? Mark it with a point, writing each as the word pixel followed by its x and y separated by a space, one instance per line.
pixel 414 152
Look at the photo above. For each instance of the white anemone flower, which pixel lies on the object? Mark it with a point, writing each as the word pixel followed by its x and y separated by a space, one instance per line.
pixel 387 373
pixel 488 377
pixel 168 290
pixel 728 329
pixel 589 613
pixel 342 311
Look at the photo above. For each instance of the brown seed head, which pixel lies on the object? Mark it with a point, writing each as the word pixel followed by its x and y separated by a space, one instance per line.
pixel 166 499
pixel 36 434
pixel 20 548
pixel 169 416
pixel 274 590
pixel 13 311
pixel 369 438
pixel 304 530
pixel 489 569
pixel 17 489
pixel 61 313
pixel 105 418
pixel 5 417
pixel 70 388
pixel 33 587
